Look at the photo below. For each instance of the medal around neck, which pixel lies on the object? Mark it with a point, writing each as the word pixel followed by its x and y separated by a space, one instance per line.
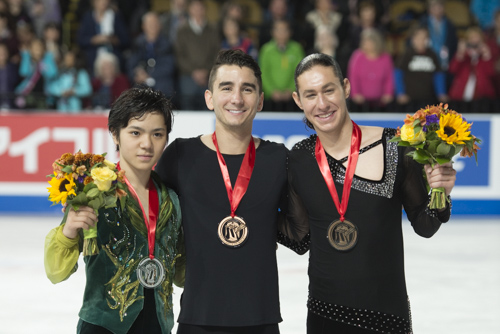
pixel 342 235
pixel 150 273
pixel 233 231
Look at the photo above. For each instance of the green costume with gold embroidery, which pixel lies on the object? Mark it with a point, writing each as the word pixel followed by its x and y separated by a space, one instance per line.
pixel 113 296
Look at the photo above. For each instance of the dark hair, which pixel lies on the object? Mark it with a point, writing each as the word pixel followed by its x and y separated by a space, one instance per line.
pixel 234 57
pixel 316 59
pixel 134 103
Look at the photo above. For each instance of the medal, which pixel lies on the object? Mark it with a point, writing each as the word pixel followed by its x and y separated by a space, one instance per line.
pixel 233 230
pixel 342 234
pixel 150 271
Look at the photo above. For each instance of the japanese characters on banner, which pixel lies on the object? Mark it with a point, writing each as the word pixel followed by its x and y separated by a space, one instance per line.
pixel 30 142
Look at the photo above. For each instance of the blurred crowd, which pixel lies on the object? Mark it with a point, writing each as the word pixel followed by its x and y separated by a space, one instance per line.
pixel 399 55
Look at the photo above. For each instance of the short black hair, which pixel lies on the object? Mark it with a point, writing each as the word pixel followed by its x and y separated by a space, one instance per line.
pixel 134 103
pixel 316 59
pixel 234 57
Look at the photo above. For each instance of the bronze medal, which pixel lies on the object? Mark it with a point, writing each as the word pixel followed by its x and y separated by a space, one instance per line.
pixel 233 231
pixel 150 273
pixel 342 235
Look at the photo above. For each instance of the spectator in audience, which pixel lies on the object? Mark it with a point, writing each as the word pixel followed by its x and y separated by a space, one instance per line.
pixel 151 61
pixel 324 16
pixel 24 35
pixel 365 17
pixel 42 13
pixel 196 48
pixel 174 18
pixel 108 82
pixel 419 79
pixel 102 29
pixel 8 79
pixel 278 59
pixel 231 10
pixel 484 12
pixel 37 68
pixel 473 69
pixel 52 39
pixel 7 36
pixel 18 13
pixel 233 38
pixel 277 10
pixel 72 84
pixel 442 33
pixel 493 42
pixel 371 73
pixel 325 41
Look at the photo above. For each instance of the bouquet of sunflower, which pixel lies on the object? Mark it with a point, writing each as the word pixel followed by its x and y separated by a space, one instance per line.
pixel 86 180
pixel 437 133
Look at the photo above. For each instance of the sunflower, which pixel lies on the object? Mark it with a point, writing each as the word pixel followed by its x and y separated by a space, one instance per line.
pixel 60 189
pixel 453 129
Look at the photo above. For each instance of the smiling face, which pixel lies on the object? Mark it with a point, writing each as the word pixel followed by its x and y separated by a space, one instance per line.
pixel 322 97
pixel 142 142
pixel 234 97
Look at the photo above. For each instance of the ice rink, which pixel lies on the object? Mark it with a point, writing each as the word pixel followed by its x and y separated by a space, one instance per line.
pixel 453 280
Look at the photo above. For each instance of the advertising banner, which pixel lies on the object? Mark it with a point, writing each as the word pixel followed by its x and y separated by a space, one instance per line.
pixel 30 142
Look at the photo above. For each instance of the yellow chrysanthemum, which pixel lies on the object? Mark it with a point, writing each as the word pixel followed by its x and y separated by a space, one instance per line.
pixel 453 129
pixel 60 189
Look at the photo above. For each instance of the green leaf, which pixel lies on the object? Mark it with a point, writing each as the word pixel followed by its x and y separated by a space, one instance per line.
pixel 395 139
pixel 442 160
pixel 109 201
pixel 96 203
pixel 404 143
pixel 416 122
pixel 80 199
pixel 443 149
pixel 89 186
pixel 67 169
pixel 93 192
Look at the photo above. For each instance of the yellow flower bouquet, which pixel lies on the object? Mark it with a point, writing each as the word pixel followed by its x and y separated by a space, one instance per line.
pixel 86 180
pixel 437 134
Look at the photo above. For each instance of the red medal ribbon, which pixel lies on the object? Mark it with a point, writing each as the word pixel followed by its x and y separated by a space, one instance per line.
pixel 240 187
pixel 154 207
pixel 352 160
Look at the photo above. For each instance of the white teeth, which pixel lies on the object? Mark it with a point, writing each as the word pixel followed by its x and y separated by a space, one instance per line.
pixel 325 116
pixel 235 111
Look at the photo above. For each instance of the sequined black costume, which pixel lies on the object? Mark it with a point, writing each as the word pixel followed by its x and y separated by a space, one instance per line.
pixel 365 286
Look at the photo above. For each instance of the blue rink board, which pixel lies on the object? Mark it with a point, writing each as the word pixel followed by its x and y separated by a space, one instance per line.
pixel 40 205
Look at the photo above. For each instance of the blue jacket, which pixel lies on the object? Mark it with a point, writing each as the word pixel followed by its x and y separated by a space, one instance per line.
pixel 72 79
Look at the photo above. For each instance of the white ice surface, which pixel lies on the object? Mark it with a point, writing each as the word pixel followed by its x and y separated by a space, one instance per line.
pixel 453 280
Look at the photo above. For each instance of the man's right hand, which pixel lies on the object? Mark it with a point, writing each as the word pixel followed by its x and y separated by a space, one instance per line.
pixel 84 218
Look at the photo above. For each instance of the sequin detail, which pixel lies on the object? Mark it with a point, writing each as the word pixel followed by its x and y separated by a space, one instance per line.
pixel 362 318
pixel 298 247
pixel 385 187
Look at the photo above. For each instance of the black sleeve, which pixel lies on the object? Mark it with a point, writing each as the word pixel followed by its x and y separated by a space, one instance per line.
pixel 168 167
pixel 293 228
pixel 416 197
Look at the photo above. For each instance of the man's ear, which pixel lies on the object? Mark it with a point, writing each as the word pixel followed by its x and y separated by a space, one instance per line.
pixel 296 98
pixel 208 100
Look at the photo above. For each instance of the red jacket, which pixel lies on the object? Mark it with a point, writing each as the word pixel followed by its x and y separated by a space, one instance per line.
pixel 461 69
pixel 120 84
